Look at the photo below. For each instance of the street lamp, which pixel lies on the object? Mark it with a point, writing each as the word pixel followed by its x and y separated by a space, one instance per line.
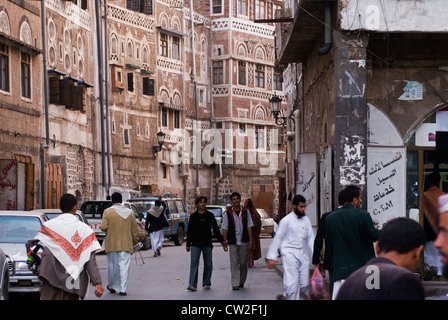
pixel 160 141
pixel 276 102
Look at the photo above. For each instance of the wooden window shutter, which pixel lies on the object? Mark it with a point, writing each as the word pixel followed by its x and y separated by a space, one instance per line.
pixel 136 5
pixel 148 86
pixel 149 7
pixel 77 98
pixel 64 92
pixel 54 90
pixel 130 81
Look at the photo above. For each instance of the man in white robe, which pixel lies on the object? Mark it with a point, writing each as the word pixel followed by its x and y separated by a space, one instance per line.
pixel 295 240
pixel 121 229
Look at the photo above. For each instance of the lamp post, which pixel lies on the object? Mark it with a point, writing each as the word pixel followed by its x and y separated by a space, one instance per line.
pixel 276 102
pixel 160 141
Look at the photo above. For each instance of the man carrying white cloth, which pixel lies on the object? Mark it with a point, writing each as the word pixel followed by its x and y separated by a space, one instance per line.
pixel 68 259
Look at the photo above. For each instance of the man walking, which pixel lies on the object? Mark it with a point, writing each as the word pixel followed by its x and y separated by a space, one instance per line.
pixel 237 231
pixel 120 226
pixel 390 276
pixel 199 239
pixel 295 241
pixel 349 236
pixel 68 259
pixel 155 222
pixel 431 256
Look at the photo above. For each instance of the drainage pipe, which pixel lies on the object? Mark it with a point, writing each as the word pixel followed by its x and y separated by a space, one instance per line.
pixel 328 41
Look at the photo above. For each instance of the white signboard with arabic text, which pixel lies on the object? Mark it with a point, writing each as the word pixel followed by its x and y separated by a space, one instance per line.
pixel 386 183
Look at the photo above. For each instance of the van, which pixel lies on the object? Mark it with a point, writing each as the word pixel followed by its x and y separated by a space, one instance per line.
pixel 93 211
pixel 175 213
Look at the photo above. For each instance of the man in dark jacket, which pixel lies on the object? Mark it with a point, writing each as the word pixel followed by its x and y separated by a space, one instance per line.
pixel 319 242
pixel 349 236
pixel 390 276
pixel 199 239
pixel 155 222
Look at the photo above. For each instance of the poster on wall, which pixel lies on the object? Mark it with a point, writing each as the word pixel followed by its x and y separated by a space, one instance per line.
pixel 307 184
pixel 326 178
pixel 386 181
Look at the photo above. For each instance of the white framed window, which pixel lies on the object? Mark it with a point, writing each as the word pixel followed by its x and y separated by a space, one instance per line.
pixel 259 76
pixel 164 119
pixel 126 138
pixel 176 119
pixel 164 45
pixel 243 7
pixel 175 48
pixel 25 68
pixel 218 72
pixel 242 73
pixel 260 137
pixel 217 7
pixel 260 9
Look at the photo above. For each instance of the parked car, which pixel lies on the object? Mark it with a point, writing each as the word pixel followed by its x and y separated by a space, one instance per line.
pixel 16 228
pixel 53 213
pixel 7 270
pixel 267 223
pixel 143 236
pixel 217 211
pixel 175 212
pixel 93 212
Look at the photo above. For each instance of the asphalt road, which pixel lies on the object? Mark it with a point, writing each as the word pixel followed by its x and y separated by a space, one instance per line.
pixel 166 277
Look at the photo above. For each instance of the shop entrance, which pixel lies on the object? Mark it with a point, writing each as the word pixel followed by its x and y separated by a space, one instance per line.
pixel 423 159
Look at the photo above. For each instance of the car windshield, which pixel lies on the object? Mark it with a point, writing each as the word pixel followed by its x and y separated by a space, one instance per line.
pixel 216 211
pixel 16 229
pixel 95 210
pixel 143 206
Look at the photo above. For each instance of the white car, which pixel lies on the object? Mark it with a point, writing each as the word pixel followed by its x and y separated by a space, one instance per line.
pixel 6 271
pixel 16 228
pixel 267 223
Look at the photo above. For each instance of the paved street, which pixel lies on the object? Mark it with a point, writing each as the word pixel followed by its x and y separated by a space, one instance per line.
pixel 166 277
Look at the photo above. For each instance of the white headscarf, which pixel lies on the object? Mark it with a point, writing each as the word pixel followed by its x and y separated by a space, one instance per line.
pixel 122 210
pixel 156 211
pixel 71 242
pixel 443 203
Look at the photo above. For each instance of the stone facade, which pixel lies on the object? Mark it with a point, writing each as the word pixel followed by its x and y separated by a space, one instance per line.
pixel 363 104
pixel 147 76
pixel 20 103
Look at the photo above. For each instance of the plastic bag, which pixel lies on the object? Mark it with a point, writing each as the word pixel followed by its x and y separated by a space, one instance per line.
pixel 317 289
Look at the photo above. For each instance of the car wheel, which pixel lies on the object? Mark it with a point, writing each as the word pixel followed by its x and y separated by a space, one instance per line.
pixel 179 238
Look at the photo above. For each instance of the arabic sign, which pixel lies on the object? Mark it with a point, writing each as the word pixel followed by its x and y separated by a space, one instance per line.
pixel 412 91
pixel 386 180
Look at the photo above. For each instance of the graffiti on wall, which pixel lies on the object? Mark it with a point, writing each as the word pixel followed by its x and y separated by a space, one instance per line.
pixel 8 184
pixel 352 170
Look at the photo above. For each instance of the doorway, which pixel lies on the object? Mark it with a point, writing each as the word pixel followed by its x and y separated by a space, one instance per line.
pixel 423 159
